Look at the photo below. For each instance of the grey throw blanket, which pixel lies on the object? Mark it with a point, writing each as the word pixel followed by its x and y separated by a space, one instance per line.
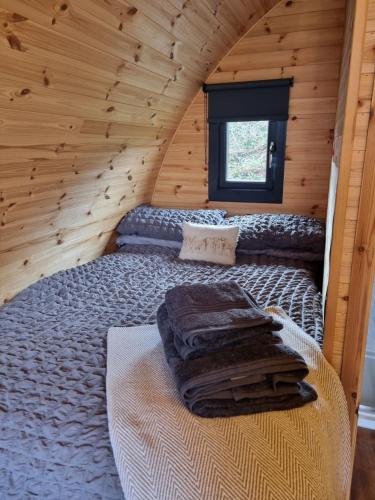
pixel 237 380
pixel 219 314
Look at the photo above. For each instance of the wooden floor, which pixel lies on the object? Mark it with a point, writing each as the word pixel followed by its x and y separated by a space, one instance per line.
pixel 363 486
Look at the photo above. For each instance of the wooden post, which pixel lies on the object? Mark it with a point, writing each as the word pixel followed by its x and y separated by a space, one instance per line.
pixel 361 283
pixel 334 336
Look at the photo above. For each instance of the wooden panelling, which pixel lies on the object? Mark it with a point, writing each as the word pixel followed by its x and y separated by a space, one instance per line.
pixel 90 95
pixel 300 39
pixel 353 127
pixel 361 278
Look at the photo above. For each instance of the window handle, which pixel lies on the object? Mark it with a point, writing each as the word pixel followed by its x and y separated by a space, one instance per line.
pixel 272 150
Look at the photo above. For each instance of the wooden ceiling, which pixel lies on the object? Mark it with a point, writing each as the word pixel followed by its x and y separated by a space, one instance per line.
pixel 91 93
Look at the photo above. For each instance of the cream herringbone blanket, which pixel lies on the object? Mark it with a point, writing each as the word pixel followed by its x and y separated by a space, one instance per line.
pixel 163 452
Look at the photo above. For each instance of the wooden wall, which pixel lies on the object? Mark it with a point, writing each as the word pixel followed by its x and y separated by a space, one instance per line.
pixel 341 119
pixel 91 92
pixel 356 123
pixel 303 39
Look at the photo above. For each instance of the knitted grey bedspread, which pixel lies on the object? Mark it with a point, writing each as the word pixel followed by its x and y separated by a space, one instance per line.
pixel 54 441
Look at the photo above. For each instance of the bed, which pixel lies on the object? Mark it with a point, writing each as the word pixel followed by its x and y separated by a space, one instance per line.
pixel 54 439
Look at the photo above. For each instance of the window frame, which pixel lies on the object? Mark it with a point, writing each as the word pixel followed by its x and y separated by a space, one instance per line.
pixel 223 161
pixel 220 189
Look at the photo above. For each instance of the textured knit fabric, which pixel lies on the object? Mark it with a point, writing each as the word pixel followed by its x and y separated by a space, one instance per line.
pixel 280 235
pixel 165 223
pixel 53 424
pixel 163 452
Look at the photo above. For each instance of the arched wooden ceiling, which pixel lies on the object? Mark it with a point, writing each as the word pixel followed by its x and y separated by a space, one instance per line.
pixel 303 40
pixel 91 93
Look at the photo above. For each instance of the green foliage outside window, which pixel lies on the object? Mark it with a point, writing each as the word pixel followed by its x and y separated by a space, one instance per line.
pixel 247 144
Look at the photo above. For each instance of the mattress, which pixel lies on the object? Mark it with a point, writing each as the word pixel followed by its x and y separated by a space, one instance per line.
pixel 54 439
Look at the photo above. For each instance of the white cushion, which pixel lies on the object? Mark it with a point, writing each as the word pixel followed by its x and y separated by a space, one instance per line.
pixel 215 244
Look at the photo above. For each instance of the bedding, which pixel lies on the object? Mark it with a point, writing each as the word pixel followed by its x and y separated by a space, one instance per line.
pixel 239 380
pixel 216 244
pixel 217 314
pixel 301 454
pixel 280 235
pixel 54 438
pixel 165 223
pixel 141 240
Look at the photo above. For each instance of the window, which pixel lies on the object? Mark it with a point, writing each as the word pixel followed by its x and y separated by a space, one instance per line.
pixel 247 134
pixel 247 151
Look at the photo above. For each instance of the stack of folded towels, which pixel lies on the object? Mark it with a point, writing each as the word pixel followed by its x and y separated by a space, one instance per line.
pixel 226 355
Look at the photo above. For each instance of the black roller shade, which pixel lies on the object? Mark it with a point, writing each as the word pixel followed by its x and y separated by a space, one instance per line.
pixel 246 101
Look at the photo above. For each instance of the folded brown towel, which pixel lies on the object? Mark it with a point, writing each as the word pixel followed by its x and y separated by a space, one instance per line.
pixel 229 408
pixel 259 335
pixel 218 314
pixel 237 380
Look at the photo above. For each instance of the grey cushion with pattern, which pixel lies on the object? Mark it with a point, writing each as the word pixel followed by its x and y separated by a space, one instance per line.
pixel 165 223
pixel 286 235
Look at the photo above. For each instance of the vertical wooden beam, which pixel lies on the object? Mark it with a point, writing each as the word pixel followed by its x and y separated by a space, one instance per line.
pixel 331 343
pixel 361 283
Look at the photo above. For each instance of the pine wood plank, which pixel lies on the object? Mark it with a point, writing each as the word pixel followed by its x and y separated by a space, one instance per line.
pixel 301 45
pixel 90 95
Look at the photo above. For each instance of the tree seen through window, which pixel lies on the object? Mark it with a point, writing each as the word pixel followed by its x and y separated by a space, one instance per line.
pixel 247 149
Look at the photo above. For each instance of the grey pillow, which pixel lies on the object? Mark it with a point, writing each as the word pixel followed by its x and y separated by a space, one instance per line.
pixel 125 239
pixel 165 223
pixel 282 235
